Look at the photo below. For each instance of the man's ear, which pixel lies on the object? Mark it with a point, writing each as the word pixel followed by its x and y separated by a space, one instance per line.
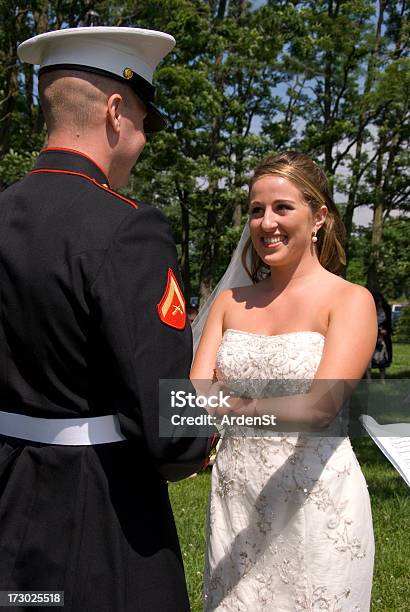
pixel 114 111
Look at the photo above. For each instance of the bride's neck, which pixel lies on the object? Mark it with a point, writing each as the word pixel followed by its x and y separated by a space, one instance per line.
pixel 299 272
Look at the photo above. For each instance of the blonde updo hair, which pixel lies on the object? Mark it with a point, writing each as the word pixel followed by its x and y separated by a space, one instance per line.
pixel 303 172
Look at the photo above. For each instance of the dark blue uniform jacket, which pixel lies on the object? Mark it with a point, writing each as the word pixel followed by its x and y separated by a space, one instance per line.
pixel 82 271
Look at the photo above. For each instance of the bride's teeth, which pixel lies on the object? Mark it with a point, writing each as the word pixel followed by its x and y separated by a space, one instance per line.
pixel 275 240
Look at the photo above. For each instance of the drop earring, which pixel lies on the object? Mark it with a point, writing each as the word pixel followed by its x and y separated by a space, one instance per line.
pixel 314 237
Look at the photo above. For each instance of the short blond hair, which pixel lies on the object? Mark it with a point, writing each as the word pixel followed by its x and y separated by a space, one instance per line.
pixel 69 98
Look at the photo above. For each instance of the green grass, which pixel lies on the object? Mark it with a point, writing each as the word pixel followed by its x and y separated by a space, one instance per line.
pixel 400 367
pixel 391 519
pixel 390 501
pixel 189 500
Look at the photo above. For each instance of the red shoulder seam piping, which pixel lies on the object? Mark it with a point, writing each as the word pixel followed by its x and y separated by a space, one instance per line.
pixel 52 171
pixel 78 153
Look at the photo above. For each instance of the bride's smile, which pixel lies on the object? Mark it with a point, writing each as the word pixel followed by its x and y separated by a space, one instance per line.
pixel 281 223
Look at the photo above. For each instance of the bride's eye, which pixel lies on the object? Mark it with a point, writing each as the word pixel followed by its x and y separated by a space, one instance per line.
pixel 255 210
pixel 283 207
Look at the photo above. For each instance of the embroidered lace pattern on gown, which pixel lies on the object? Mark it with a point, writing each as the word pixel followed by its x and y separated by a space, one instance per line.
pixel 289 520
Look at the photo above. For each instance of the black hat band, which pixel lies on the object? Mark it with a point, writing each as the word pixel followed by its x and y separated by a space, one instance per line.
pixel 141 87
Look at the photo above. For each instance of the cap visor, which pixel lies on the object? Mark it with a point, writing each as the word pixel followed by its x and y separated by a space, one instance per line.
pixel 155 121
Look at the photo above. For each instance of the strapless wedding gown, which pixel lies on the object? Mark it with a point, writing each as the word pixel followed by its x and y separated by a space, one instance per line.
pixel 289 521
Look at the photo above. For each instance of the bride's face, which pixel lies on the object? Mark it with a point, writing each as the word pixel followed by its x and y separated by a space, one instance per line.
pixel 281 222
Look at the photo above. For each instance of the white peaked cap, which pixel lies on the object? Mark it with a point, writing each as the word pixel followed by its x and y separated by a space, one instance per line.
pixel 126 54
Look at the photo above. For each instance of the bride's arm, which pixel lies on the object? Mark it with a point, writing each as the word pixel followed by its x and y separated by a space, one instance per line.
pixel 349 345
pixel 351 336
pixel 204 363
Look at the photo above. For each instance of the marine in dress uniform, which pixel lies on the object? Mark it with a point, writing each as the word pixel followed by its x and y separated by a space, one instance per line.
pixel 91 317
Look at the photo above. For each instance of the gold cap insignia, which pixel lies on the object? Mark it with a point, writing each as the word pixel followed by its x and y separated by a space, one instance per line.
pixel 128 73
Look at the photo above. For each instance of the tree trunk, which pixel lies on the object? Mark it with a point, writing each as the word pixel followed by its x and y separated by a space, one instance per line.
pixel 327 101
pixel 351 200
pixel 241 124
pixel 210 244
pixel 184 263
pixel 377 230
pixel 377 226
pixel 7 108
pixel 363 120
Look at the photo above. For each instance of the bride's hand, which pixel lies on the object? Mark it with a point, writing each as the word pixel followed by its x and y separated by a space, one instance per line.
pixel 243 406
pixel 228 403
pixel 222 401
pixel 219 395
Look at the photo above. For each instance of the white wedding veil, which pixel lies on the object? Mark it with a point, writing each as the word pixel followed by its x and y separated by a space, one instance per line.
pixel 235 276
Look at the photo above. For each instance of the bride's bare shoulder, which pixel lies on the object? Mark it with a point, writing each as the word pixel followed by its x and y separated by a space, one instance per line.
pixel 228 299
pixel 235 294
pixel 342 290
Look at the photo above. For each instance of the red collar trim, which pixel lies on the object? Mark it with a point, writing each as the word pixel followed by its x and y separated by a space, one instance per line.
pixel 52 171
pixel 78 153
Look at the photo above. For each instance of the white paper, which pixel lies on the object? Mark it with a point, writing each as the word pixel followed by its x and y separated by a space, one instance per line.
pixel 394 441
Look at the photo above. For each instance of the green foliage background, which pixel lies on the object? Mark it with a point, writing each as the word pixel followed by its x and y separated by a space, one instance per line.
pixel 402 330
pixel 330 77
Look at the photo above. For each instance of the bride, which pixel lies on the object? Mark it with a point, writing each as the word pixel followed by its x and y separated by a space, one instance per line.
pixel 289 522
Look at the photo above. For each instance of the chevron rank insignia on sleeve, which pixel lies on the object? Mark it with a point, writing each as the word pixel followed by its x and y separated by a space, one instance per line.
pixel 171 308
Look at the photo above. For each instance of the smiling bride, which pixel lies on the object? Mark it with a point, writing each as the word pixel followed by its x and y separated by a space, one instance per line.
pixel 289 522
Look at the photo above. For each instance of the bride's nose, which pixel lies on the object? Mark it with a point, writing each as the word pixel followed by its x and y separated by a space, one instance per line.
pixel 269 221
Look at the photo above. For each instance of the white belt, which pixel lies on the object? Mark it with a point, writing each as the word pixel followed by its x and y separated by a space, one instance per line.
pixel 67 432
